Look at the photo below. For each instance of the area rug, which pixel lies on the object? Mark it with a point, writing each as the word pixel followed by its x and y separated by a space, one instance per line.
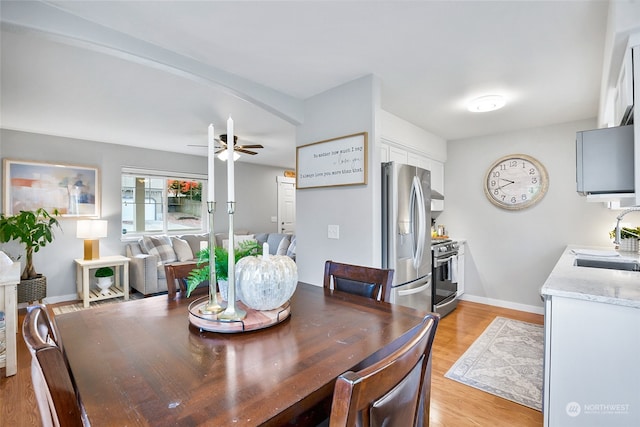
pixel 77 306
pixel 506 360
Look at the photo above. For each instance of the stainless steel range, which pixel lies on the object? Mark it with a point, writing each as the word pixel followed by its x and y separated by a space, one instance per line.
pixel 445 286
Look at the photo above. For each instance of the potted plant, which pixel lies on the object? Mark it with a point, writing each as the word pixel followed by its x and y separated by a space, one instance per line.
pixel 221 260
pixel 105 279
pixel 34 229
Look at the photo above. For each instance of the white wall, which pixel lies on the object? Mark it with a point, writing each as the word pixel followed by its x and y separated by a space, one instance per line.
pixel 347 109
pixel 256 193
pixel 510 253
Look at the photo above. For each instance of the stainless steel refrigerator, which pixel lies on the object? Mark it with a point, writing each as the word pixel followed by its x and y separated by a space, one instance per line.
pixel 406 233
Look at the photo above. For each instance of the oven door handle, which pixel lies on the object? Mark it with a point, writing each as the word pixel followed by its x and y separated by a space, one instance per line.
pixel 438 261
pixel 416 290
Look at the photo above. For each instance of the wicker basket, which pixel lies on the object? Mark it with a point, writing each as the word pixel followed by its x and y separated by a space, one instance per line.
pixel 32 289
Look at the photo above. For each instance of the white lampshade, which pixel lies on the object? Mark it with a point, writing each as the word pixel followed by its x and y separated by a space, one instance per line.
pixel 91 229
pixel 223 155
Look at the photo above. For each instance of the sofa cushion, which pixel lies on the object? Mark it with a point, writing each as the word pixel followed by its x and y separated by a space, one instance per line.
pixel 194 241
pixel 160 246
pixel 237 240
pixel 182 249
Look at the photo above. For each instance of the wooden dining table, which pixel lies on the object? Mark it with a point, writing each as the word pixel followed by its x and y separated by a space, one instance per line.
pixel 141 363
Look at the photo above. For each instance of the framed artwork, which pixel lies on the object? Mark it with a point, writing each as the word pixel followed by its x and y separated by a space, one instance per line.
pixel 73 190
pixel 333 162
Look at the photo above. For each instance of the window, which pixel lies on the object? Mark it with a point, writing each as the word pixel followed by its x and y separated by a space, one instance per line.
pixel 156 202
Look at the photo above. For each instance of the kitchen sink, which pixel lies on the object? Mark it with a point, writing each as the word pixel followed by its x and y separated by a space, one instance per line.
pixel 609 263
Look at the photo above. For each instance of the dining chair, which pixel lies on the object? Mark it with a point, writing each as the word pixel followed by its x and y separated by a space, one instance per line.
pixel 177 274
pixel 370 282
pixel 56 395
pixel 393 391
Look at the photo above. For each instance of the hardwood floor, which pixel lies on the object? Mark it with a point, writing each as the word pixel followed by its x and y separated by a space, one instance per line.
pixel 452 404
pixel 455 404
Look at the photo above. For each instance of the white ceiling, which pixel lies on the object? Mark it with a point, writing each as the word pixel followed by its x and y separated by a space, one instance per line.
pixel 155 74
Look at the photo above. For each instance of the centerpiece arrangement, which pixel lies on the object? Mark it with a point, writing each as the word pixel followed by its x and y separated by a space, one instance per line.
pixel 265 282
pixel 221 264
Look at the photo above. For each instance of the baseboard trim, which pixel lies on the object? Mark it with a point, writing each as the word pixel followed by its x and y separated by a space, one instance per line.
pixel 503 304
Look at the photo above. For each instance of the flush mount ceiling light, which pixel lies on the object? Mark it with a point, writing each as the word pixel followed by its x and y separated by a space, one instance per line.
pixel 486 103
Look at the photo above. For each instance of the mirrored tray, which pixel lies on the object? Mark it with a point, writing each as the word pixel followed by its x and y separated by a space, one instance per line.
pixel 255 320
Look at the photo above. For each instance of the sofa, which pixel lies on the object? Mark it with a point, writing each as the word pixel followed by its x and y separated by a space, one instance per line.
pixel 149 255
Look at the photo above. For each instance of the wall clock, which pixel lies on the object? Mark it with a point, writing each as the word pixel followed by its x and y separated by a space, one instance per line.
pixel 516 181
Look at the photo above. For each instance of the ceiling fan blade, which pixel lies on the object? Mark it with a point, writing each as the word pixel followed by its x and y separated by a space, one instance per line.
pixel 250 146
pixel 240 150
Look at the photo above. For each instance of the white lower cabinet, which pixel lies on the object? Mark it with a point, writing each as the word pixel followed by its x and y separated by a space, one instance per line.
pixel 460 271
pixel 592 364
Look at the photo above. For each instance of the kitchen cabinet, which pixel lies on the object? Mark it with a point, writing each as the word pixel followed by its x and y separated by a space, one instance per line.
pixel 592 369
pixel 460 271
pixel 398 155
pixel 592 342
pixel 623 92
pixel 392 153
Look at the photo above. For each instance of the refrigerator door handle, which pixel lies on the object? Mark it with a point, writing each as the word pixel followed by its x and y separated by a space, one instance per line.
pixel 417 196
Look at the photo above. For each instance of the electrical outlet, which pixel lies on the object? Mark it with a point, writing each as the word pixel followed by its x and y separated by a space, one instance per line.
pixel 274 219
pixel 333 232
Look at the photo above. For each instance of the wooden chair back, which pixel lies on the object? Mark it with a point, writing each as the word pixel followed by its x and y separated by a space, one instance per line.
pixel 374 283
pixel 56 395
pixel 393 391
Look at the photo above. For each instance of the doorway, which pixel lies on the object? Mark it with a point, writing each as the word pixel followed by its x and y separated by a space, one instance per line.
pixel 286 205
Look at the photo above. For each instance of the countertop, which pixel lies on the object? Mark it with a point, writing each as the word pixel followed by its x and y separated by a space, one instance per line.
pixel 593 284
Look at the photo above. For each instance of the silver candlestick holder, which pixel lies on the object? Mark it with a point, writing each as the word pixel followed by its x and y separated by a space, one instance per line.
pixel 213 306
pixel 232 312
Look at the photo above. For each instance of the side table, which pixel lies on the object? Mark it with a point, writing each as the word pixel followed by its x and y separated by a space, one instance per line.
pixel 120 286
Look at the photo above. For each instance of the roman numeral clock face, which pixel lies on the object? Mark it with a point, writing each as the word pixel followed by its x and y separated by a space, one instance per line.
pixel 516 181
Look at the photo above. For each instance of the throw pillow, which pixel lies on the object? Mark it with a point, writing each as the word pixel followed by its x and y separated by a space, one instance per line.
pixel 283 246
pixel 160 246
pixel 291 250
pixel 237 239
pixel 182 249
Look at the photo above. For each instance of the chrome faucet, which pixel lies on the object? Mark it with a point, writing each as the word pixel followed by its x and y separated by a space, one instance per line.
pixel 617 240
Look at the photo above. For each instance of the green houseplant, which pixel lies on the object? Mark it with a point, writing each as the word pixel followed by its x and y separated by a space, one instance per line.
pixel 104 272
pixel 221 260
pixel 104 276
pixel 34 229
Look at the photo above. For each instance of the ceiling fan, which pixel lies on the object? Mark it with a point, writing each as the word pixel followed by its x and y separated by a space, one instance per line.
pixel 222 145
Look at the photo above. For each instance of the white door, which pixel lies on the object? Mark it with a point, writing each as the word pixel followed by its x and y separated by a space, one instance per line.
pixel 286 205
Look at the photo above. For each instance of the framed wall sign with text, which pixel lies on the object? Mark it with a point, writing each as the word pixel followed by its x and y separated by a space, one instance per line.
pixel 333 162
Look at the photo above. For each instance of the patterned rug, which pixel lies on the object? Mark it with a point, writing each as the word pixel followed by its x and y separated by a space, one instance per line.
pixel 506 360
pixel 77 306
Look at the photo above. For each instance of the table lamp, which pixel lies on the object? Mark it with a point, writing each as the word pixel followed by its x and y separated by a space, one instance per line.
pixel 91 231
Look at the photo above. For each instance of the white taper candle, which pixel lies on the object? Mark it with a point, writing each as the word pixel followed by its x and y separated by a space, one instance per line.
pixel 210 167
pixel 231 196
